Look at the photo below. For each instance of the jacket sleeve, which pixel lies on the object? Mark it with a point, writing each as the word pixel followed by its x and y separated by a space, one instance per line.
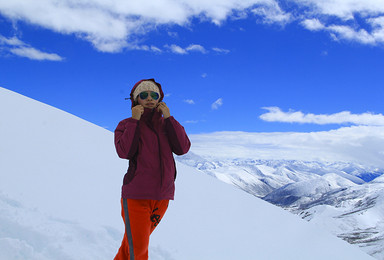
pixel 127 138
pixel 177 136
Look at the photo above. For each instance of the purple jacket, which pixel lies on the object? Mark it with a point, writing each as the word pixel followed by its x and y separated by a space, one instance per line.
pixel 149 144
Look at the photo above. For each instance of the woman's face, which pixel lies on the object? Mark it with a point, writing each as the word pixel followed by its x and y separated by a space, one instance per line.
pixel 148 100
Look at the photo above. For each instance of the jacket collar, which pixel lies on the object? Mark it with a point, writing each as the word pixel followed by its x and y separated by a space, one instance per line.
pixel 150 115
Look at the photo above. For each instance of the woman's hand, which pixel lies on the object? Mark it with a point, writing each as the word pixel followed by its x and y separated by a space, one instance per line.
pixel 137 111
pixel 163 108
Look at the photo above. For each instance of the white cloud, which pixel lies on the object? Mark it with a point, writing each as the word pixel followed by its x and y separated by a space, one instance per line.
pixel 155 49
pixel 348 33
pixel 176 49
pixel 14 41
pixel 196 47
pixel 17 47
pixel 344 32
pixel 362 144
pixel 189 101
pixel 344 9
pixel 272 13
pixel 204 75
pixel 313 24
pixel 275 114
pixel 151 48
pixel 220 50
pixel 111 26
pixel 368 29
pixel 35 54
pixel 218 103
pixel 191 48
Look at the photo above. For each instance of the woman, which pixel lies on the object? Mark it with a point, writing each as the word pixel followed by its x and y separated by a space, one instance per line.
pixel 148 140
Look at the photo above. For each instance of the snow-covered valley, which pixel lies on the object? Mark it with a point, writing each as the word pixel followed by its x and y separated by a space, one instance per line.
pixel 60 184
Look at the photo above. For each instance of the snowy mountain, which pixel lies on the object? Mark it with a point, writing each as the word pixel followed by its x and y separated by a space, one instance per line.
pixel 355 213
pixel 333 195
pixel 261 177
pixel 60 185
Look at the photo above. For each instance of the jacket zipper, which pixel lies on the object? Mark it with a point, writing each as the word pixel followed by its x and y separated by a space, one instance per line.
pixel 151 126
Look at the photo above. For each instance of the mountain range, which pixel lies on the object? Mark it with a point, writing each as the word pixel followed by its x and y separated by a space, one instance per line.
pixel 344 198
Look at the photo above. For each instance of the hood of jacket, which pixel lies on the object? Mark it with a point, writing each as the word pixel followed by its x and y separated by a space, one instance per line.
pixel 137 84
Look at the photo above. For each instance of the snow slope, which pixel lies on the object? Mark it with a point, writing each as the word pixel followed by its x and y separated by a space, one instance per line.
pixel 56 162
pixel 59 199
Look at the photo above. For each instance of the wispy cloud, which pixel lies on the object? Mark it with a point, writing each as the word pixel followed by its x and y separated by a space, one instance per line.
pixel 176 49
pixel 191 121
pixel 218 103
pixel 13 41
pixel 196 48
pixel 343 32
pixel 189 101
pixel 275 114
pixel 34 54
pixel 270 12
pixel 17 47
pixel 151 48
pixel 220 50
pixel 367 30
pixel 191 48
pixel 173 34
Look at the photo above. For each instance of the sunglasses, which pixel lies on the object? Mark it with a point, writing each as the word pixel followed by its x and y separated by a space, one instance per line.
pixel 144 95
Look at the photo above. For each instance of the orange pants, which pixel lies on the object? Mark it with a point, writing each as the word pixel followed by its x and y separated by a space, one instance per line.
pixel 140 217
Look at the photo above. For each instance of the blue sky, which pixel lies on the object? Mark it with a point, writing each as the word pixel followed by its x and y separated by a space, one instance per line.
pixel 255 66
